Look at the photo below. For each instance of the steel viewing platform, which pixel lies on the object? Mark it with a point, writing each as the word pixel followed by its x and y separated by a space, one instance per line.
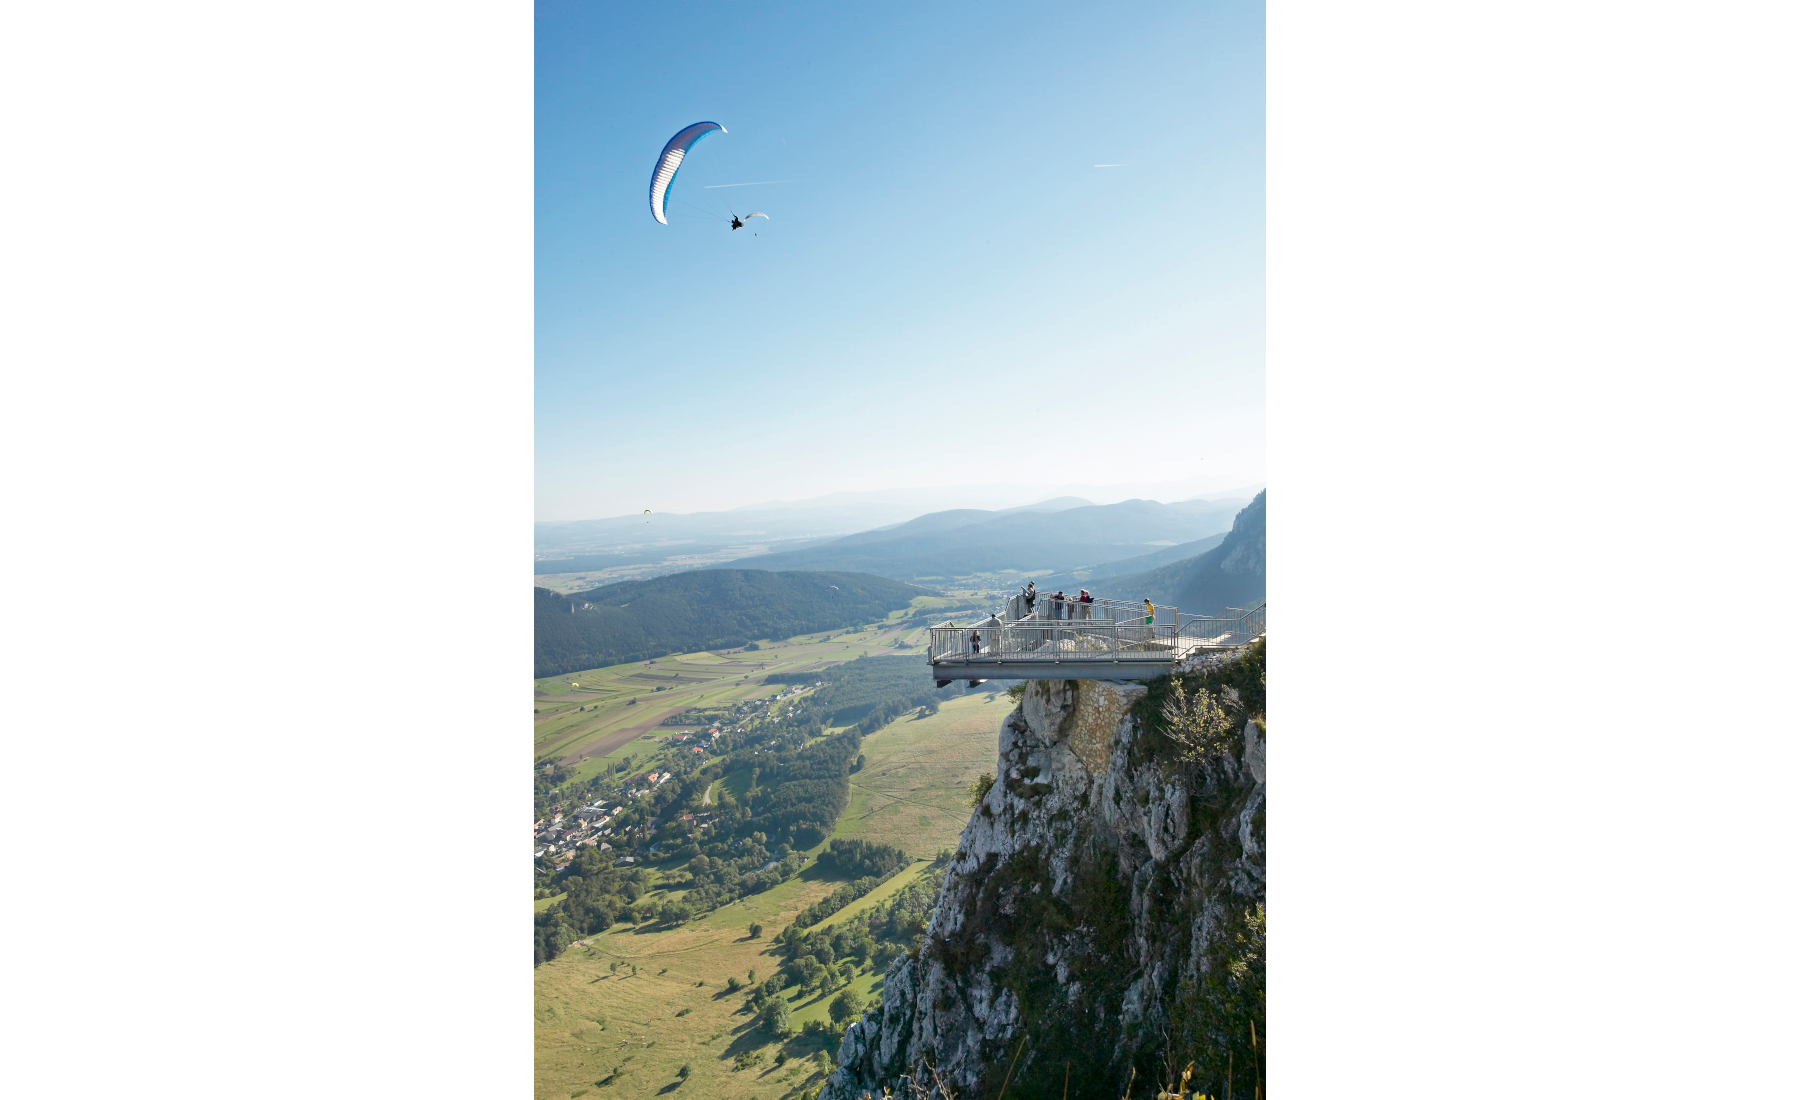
pixel 1102 640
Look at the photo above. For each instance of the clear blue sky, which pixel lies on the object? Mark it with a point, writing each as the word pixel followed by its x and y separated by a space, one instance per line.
pixel 948 293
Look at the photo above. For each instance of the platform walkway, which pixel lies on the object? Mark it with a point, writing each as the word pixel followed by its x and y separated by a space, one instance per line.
pixel 1103 640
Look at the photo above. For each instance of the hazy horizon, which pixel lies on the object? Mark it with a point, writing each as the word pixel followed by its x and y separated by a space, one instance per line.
pixel 942 498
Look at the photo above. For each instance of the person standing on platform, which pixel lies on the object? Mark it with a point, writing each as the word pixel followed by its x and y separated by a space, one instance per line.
pixel 975 643
pixel 1087 604
pixel 1149 612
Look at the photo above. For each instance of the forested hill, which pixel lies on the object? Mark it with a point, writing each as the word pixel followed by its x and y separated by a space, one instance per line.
pixel 1232 574
pixel 704 609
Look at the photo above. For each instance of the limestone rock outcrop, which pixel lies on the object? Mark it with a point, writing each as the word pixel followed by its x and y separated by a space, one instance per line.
pixel 1103 913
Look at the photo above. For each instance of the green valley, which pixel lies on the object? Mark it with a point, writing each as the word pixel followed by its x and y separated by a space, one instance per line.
pixel 686 893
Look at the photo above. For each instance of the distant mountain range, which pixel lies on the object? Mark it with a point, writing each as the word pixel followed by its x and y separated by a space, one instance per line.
pixel 1059 535
pixel 698 532
pixel 1232 574
pixel 828 516
pixel 703 609
pixel 1076 579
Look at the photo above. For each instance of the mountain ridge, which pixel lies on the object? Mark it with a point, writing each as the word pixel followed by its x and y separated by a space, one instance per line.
pixel 1232 574
pixel 959 542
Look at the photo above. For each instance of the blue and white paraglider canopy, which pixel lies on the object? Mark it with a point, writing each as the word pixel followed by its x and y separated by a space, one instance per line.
pixel 670 162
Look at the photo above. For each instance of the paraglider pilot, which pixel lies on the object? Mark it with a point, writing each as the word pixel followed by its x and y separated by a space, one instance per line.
pixel 735 223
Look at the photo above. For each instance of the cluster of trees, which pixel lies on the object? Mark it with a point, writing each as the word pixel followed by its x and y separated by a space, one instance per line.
pixel 871 691
pixel 718 879
pixel 828 959
pixel 600 894
pixel 861 859
pixel 545 781
pixel 802 792
pixel 702 609
pixel 835 901
pixel 874 936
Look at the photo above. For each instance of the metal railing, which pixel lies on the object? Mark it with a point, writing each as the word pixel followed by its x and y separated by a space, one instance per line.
pixel 1071 610
pixel 1169 638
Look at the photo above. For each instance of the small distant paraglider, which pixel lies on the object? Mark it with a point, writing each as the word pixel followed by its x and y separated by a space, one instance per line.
pixel 646 515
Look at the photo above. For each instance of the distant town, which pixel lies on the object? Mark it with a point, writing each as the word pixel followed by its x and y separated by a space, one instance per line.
pixel 562 834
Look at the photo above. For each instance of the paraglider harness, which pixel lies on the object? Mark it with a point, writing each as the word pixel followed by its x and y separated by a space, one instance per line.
pixel 735 223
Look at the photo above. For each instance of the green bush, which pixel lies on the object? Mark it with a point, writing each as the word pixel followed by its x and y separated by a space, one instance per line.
pixel 846 1006
pixel 978 788
pixel 778 1018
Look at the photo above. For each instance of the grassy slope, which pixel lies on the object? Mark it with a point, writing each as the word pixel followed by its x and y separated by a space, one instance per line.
pixel 579 988
pixel 908 793
pixel 910 790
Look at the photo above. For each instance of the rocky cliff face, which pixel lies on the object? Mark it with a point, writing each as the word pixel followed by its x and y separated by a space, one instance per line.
pixel 1103 914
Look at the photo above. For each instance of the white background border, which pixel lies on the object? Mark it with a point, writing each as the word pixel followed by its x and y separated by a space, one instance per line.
pixel 268 343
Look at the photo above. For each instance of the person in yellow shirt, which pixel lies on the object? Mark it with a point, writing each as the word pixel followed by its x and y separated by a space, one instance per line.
pixel 1149 612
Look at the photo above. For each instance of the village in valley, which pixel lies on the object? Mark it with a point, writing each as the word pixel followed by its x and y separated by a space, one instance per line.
pixel 563 833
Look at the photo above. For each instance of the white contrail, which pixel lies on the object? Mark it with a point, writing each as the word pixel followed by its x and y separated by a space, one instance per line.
pixel 758 183
pixel 1111 166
